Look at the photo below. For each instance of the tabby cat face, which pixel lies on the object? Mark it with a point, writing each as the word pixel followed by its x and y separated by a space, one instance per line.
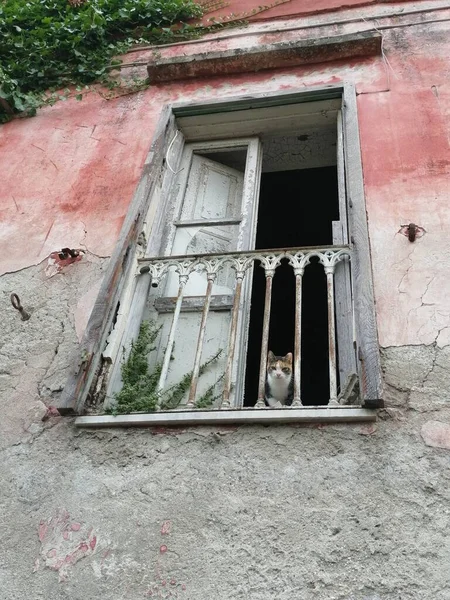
pixel 279 367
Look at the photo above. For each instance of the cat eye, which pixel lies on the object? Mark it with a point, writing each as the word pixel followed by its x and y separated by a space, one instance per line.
pixel 286 370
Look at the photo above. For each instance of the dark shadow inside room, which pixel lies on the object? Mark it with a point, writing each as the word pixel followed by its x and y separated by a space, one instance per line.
pixel 296 209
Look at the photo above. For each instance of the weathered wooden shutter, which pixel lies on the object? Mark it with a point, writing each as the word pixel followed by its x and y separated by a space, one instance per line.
pixel 367 349
pixel 214 214
pixel 120 273
pixel 134 299
pixel 342 278
pixel 209 221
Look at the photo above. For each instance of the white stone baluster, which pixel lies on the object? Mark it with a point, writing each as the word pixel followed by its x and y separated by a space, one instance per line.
pixel 212 267
pixel 298 261
pixel 329 259
pixel 240 264
pixel 269 263
pixel 184 269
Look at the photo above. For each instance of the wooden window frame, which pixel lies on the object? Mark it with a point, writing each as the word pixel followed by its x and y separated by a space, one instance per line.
pixel 120 287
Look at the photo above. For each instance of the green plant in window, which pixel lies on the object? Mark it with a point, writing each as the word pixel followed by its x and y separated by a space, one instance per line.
pixel 140 393
pixel 210 395
pixel 139 389
pixel 171 398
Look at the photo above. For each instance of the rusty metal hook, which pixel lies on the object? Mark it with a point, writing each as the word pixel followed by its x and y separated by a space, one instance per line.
pixel 15 301
pixel 412 232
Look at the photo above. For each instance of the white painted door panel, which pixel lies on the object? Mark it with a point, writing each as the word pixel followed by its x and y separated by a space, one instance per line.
pixel 213 191
pixel 213 195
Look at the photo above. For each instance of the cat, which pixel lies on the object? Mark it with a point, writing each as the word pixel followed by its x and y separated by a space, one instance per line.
pixel 279 380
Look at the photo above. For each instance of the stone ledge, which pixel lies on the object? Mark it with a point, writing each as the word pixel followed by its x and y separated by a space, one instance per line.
pixel 338 414
pixel 264 56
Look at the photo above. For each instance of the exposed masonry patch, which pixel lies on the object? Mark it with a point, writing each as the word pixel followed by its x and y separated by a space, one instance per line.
pixel 35 355
pixel 64 542
pixel 58 261
pixel 262 57
pixel 436 434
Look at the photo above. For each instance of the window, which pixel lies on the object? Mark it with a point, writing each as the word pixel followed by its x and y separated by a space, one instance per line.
pixel 272 182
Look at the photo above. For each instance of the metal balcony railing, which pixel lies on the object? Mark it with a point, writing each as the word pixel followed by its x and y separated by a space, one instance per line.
pixel 241 263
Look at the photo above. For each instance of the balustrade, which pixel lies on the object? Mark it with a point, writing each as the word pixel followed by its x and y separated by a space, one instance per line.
pixel 241 263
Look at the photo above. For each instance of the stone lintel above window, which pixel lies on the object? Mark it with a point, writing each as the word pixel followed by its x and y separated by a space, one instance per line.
pixel 262 57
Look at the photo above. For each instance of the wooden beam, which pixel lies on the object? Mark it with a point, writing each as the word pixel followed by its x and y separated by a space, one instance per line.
pixel 194 303
pixel 258 100
pixel 342 278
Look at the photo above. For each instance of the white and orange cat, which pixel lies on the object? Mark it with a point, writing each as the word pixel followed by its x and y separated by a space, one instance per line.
pixel 279 380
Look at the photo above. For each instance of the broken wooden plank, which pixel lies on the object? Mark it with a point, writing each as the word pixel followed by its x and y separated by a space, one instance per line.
pixel 194 303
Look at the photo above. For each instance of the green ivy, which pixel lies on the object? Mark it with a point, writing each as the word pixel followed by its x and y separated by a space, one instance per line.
pixel 51 44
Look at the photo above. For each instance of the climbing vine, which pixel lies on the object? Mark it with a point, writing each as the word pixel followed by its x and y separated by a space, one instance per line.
pixel 49 44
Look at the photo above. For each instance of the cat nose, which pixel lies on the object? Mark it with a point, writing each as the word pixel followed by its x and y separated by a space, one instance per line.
pixel 278 374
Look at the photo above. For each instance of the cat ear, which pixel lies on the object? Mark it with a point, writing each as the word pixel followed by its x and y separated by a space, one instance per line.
pixel 270 356
pixel 288 357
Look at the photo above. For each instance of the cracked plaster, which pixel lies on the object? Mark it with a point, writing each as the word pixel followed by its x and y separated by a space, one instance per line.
pixel 417 377
pixel 307 151
pixel 326 512
pixel 320 513
pixel 35 354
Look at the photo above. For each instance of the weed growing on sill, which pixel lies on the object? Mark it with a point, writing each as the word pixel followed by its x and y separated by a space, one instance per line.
pixel 139 392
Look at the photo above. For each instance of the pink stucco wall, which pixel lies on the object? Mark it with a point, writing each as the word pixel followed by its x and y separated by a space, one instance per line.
pixel 269 11
pixel 68 175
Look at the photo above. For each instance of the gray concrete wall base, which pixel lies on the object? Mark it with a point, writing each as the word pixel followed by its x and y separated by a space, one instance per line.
pixel 323 512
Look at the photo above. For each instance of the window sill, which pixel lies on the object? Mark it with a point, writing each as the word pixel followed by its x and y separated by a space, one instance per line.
pixel 310 414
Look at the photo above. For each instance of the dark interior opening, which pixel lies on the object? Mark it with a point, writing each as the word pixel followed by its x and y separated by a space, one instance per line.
pixel 296 208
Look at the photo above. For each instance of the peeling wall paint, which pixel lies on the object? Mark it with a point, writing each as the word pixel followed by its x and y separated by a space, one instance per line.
pixel 63 543
pixel 333 512
pixel 84 159
pixel 284 8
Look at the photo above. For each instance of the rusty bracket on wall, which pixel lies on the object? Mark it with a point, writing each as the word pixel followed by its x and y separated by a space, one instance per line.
pixel 412 231
pixel 66 252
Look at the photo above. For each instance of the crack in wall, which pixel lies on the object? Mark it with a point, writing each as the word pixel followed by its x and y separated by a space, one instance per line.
pixel 409 257
pixel 35 355
pixel 417 377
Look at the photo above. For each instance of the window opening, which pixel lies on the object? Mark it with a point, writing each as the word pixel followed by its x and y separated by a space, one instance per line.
pixel 296 208
pixel 298 204
pixel 197 141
